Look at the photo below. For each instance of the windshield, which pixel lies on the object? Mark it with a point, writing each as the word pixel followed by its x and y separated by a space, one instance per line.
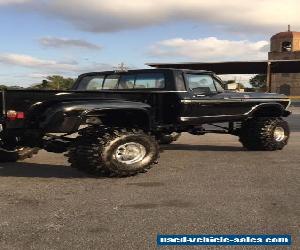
pixel 202 83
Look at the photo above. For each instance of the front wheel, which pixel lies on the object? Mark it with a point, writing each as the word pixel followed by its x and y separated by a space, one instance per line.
pixel 119 152
pixel 264 133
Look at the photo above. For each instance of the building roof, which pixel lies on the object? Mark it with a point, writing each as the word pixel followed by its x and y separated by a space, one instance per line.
pixel 286 34
pixel 236 67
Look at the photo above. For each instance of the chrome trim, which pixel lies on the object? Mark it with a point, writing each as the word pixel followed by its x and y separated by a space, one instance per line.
pixel 265 100
pixel 210 101
pixel 252 109
pixel 189 101
pixel 289 104
pixel 64 93
pixel 131 91
pixel 183 118
pixel 231 100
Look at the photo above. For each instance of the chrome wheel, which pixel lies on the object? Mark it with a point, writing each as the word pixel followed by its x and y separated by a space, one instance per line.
pixel 130 153
pixel 279 134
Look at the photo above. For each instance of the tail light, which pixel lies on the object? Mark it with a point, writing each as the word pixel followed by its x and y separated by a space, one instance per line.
pixel 14 115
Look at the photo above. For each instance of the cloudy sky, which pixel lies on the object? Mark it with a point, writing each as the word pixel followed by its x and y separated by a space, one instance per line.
pixel 44 37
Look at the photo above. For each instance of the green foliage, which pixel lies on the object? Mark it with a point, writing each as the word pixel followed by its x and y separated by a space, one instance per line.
pixel 259 81
pixel 2 87
pixel 55 82
pixel 52 82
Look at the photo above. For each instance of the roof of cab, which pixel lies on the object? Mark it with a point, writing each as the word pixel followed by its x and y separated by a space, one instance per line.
pixel 145 71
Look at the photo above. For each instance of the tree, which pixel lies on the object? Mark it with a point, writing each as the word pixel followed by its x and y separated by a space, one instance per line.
pixel 55 82
pixel 259 81
pixel 3 87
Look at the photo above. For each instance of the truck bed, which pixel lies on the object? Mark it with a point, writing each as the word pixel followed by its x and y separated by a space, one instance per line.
pixel 22 100
pixel 27 100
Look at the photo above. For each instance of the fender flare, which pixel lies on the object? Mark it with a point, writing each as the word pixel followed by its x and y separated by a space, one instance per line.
pixel 275 109
pixel 144 114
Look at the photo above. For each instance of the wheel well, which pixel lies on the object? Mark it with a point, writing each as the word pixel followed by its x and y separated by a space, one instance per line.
pixel 268 111
pixel 121 118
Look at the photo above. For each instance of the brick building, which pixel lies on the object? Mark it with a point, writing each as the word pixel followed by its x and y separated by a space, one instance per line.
pixel 285 46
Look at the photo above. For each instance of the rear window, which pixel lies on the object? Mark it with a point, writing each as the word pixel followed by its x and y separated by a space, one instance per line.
pixel 128 81
pixel 142 81
pixel 149 81
pixel 111 82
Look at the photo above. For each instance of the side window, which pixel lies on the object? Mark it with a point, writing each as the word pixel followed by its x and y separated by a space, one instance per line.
pixel 94 83
pixel 127 82
pixel 180 86
pixel 111 82
pixel 201 83
pixel 150 81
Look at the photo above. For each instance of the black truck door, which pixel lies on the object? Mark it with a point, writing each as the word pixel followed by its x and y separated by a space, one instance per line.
pixel 207 99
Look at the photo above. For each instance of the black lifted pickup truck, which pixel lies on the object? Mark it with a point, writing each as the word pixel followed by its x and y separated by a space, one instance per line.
pixel 110 123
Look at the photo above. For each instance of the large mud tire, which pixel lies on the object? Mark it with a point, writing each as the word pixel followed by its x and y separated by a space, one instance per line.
pixel 264 133
pixel 118 152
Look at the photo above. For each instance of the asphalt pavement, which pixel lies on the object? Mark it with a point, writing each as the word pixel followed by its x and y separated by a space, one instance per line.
pixel 202 185
pixel 296 103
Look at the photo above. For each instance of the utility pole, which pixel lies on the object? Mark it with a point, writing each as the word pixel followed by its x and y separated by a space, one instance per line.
pixel 269 77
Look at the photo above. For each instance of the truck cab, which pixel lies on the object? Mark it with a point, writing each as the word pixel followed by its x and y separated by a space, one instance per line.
pixel 180 96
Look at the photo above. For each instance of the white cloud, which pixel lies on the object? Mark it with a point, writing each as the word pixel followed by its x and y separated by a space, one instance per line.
pixel 8 2
pixel 56 42
pixel 33 62
pixel 114 15
pixel 38 69
pixel 210 49
pixel 27 61
pixel 37 75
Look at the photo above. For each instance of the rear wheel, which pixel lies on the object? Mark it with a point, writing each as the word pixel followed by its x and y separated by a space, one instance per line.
pixel 264 133
pixel 119 152
pixel 15 154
